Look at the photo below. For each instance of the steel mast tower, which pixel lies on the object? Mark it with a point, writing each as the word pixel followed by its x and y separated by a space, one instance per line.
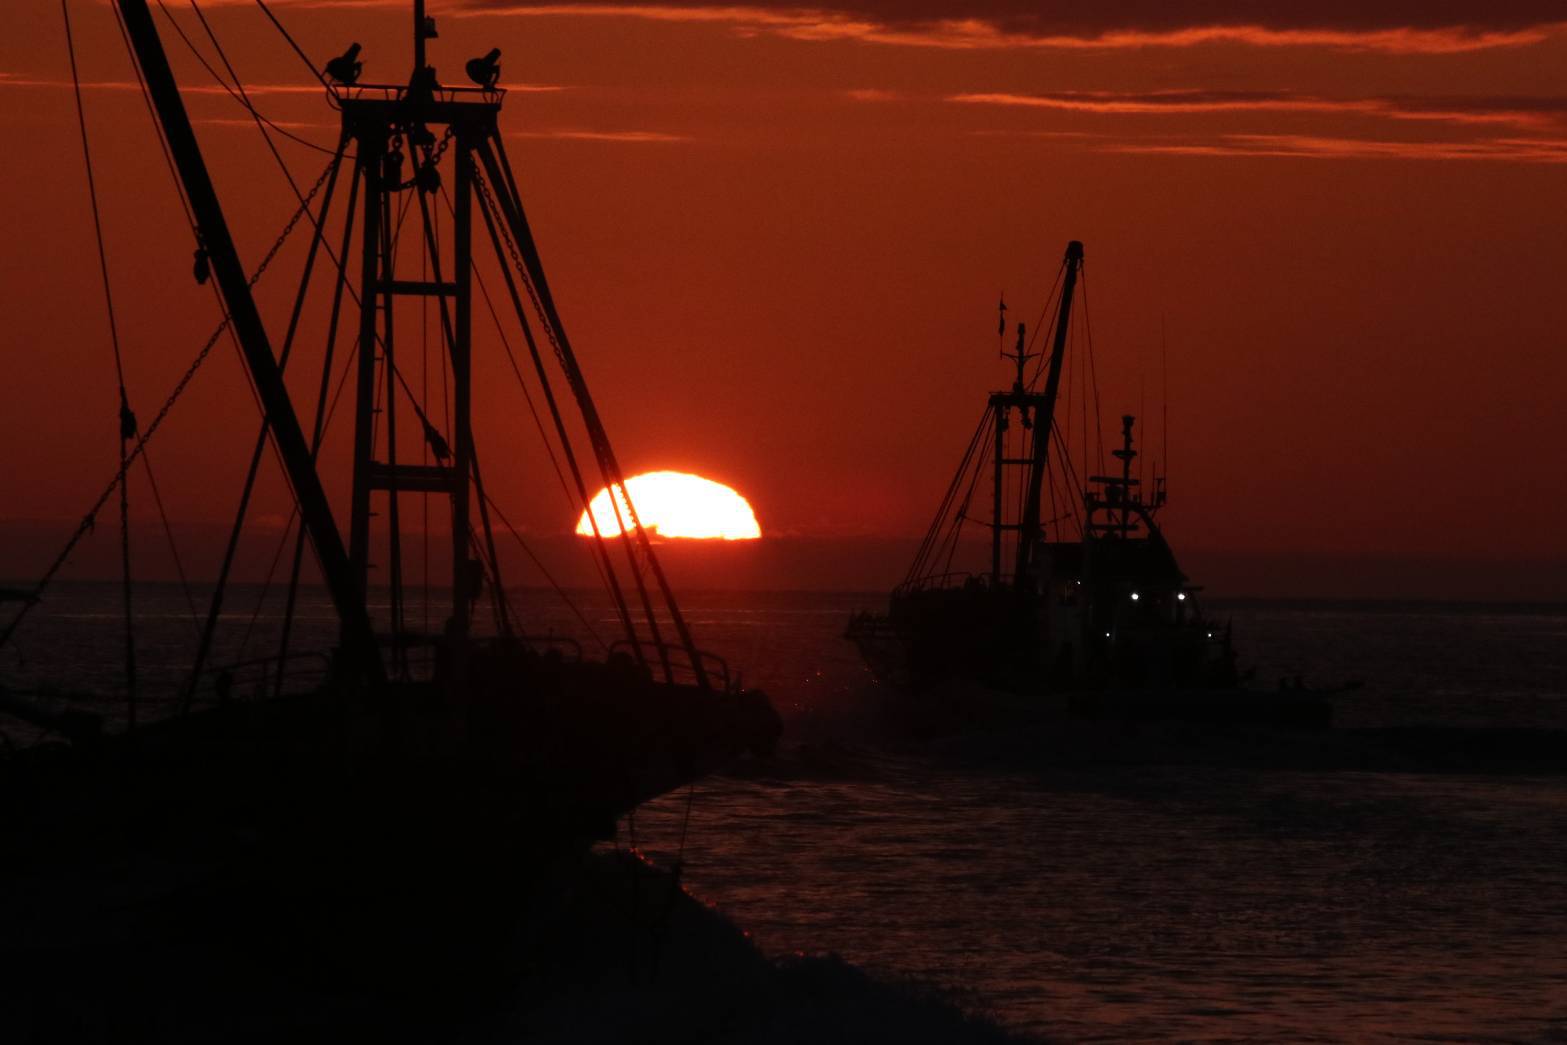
pixel 400 134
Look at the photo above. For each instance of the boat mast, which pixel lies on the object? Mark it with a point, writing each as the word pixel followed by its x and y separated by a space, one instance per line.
pixel 1002 405
pixel 384 120
pixel 419 34
pixel 1029 534
pixel 315 512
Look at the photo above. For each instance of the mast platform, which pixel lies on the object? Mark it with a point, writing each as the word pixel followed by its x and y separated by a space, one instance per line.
pixel 391 103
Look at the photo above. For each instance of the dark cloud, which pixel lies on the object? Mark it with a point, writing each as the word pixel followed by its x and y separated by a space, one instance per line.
pixel 1077 19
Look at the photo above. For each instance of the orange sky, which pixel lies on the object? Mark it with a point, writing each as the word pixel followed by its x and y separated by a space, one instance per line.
pixel 777 237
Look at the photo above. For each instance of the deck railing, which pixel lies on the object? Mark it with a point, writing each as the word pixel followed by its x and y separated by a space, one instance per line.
pixel 681 666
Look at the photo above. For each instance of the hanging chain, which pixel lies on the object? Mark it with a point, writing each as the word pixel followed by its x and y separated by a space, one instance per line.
pixel 424 176
pixel 434 155
pixel 90 519
pixel 573 375
pixel 277 245
pixel 522 273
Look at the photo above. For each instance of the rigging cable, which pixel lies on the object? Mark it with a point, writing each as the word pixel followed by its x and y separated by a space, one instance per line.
pixel 958 520
pixel 500 606
pixel 89 520
pixel 266 588
pixel 523 544
pixel 637 538
pixel 1072 478
pixel 314 70
pixel 338 262
pixel 127 418
pixel 533 410
pixel 976 444
pixel 324 411
pixel 179 192
pixel 1093 369
pixel 497 232
pixel 933 534
pixel 163 145
pixel 431 254
pixel 634 538
pixel 387 387
pixel 1039 325
pixel 243 101
pixel 1164 397
pixel 220 589
pixel 241 96
pixel 424 444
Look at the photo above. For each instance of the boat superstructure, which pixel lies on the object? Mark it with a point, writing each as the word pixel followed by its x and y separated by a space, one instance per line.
pixel 1083 594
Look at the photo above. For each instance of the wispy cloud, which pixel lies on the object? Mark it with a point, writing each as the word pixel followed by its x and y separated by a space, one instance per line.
pixel 1408 29
pixel 630 137
pixel 1411 27
pixel 1516 112
pixel 247 122
pixel 257 90
pixel 1303 146
pixel 253 89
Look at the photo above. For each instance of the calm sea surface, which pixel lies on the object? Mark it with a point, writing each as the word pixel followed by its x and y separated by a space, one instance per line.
pixel 1122 904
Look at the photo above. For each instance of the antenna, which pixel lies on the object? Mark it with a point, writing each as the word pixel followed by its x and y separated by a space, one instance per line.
pixel 424 29
pixel 1142 410
pixel 1020 356
pixel 1164 395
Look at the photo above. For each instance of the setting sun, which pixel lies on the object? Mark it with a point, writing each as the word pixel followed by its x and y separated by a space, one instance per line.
pixel 677 504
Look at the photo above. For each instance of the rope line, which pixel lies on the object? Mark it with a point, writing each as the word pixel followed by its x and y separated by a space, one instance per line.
pixel 634 538
pixel 157 125
pixel 496 226
pixel 127 426
pixel 314 70
pixel 240 99
pixel 174 549
pixel 90 519
pixel 523 544
pixel 934 538
pixel 533 410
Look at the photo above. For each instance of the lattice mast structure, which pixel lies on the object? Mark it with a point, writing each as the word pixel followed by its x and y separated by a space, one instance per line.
pixel 1036 411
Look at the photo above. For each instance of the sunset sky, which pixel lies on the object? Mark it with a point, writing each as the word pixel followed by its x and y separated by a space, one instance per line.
pixel 777 235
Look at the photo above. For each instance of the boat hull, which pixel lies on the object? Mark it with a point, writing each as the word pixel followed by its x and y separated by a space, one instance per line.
pixel 528 746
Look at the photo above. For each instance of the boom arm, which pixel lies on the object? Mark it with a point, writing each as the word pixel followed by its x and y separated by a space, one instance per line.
pixel 314 509
pixel 1044 419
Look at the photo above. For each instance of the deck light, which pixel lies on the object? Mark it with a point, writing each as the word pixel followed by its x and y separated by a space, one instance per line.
pixel 485 71
pixel 345 68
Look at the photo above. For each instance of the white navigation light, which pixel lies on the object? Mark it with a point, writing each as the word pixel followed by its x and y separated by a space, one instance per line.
pixel 1134 596
pixel 1181 595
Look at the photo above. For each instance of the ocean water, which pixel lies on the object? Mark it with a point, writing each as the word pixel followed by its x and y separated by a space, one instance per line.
pixel 1093 903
